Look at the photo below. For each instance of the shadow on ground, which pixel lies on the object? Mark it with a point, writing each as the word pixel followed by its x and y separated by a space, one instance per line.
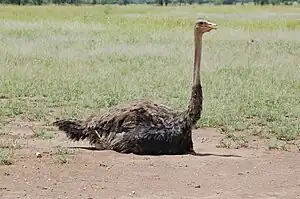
pixel 193 154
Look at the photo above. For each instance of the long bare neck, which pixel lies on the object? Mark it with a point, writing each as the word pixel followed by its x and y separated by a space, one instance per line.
pixel 193 113
pixel 197 59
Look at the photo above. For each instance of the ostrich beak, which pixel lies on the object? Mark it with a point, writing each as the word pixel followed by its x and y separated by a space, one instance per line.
pixel 211 25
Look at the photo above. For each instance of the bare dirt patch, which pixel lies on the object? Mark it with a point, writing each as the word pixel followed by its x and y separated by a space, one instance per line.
pixel 66 171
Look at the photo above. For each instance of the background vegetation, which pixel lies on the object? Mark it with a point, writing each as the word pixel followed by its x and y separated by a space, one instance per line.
pixel 67 61
pixel 158 2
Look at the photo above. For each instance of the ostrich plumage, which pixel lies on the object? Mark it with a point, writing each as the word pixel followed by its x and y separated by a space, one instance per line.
pixel 143 126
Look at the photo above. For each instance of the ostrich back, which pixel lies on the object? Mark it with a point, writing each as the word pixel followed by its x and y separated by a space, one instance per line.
pixel 141 127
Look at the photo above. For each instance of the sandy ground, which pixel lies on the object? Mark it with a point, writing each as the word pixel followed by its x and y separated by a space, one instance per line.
pixel 214 173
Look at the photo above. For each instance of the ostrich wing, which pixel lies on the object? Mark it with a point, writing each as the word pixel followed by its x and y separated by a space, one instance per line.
pixel 122 118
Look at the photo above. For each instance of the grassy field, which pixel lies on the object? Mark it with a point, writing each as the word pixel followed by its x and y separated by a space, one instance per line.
pixel 73 61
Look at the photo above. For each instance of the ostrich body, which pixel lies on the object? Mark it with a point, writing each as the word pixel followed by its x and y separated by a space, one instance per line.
pixel 144 127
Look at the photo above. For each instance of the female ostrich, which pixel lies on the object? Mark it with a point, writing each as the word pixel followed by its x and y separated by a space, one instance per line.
pixel 144 127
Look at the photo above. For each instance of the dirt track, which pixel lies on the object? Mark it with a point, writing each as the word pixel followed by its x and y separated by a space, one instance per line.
pixel 214 173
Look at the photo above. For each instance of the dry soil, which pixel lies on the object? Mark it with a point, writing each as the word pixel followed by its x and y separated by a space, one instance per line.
pixel 253 172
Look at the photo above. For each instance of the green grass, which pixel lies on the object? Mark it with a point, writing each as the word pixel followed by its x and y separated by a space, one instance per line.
pixel 62 155
pixel 72 61
pixel 7 148
pixel 43 134
pixel 6 157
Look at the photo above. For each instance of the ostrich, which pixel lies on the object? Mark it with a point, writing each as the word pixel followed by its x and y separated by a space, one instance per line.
pixel 144 127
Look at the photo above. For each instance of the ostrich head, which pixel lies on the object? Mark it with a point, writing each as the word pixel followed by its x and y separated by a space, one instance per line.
pixel 202 26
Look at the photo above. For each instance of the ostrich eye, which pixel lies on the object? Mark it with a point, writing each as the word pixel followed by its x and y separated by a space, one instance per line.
pixel 201 23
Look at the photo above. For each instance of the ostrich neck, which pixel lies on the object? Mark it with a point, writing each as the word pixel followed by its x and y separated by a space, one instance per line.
pixel 193 113
pixel 197 59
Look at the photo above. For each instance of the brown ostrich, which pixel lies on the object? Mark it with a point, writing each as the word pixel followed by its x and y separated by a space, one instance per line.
pixel 144 127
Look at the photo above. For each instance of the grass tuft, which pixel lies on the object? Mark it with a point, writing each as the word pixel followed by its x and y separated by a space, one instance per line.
pixel 62 155
pixel 6 157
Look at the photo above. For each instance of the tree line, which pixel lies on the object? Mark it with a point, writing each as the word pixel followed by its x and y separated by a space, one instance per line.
pixel 158 2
